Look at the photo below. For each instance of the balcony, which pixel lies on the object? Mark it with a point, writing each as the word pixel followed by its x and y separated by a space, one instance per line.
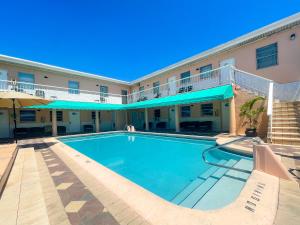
pixel 61 93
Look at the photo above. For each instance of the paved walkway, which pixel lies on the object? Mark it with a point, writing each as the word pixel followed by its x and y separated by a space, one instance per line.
pixel 67 198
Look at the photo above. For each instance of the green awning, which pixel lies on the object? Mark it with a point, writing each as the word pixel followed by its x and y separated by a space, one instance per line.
pixel 72 105
pixel 212 94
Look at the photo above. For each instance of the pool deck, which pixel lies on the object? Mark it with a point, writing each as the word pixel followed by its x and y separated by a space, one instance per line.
pixel 51 183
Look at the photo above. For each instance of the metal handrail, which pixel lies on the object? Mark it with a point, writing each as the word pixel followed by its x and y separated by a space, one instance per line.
pixel 227 143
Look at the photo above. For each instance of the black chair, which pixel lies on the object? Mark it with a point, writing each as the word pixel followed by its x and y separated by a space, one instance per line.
pixel 61 130
pixel 88 128
pixel 161 125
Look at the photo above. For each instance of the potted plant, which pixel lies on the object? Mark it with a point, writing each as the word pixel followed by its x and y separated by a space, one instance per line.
pixel 251 114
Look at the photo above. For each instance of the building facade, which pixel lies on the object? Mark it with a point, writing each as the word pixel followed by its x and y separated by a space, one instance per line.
pixel 269 54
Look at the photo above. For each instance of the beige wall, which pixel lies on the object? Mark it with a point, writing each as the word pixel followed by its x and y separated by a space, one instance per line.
pixel 287 70
pixel 262 127
pixel 61 80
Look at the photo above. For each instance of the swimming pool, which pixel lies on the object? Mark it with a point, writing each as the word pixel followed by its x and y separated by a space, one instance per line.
pixel 169 167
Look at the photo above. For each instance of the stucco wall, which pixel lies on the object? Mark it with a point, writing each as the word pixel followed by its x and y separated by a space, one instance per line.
pixel 61 79
pixel 287 70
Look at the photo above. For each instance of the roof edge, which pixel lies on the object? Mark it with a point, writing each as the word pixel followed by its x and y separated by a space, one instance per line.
pixel 25 62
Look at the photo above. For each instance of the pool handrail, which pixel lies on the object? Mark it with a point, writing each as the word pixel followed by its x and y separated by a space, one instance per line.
pixel 257 140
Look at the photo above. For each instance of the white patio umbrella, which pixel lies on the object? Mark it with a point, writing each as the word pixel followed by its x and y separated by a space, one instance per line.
pixel 13 100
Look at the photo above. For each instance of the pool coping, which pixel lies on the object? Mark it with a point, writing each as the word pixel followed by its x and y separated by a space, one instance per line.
pixel 159 211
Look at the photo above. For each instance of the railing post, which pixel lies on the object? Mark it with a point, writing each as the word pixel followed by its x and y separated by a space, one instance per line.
pixel 231 74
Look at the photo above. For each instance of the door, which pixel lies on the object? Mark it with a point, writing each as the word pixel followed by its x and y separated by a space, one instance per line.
pixel 3 80
pixel 225 116
pixel 171 118
pixel 4 124
pixel 172 85
pixel 225 72
pixel 74 118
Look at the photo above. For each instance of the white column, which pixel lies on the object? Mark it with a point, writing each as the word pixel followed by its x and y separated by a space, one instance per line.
pixel 54 123
pixel 146 120
pixel 126 118
pixel 177 119
pixel 97 121
pixel 232 125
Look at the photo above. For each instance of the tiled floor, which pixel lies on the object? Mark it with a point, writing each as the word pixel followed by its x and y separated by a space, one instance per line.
pixel 80 205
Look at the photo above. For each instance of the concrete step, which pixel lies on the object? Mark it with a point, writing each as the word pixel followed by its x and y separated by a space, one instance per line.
pixel 286 114
pixel 285 141
pixel 286 104
pixel 296 119
pixel 286 129
pixel 293 124
pixel 286 135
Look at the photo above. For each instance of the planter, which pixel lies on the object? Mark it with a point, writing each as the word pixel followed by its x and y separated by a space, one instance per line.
pixel 251 132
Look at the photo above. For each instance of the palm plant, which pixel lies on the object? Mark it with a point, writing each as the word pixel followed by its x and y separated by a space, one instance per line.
pixel 250 112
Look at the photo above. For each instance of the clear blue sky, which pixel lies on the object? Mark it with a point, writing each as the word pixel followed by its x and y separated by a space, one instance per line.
pixel 126 39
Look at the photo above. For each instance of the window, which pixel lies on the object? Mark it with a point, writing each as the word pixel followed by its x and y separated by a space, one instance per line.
pixel 73 87
pixel 124 96
pixel 185 77
pixel 156 88
pixel 103 91
pixel 185 111
pixel 59 116
pixel 207 109
pixel 26 78
pixel 94 115
pixel 142 94
pixel 266 56
pixel 204 74
pixel 156 114
pixel 27 116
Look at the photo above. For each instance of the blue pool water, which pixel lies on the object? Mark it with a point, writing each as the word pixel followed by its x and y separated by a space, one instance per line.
pixel 170 167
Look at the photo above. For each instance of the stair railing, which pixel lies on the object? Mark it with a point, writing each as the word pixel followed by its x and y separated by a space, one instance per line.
pixel 256 140
pixel 270 109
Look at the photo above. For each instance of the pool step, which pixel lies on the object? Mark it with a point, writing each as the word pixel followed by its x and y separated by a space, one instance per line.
pixel 209 181
pixel 195 183
pixel 231 182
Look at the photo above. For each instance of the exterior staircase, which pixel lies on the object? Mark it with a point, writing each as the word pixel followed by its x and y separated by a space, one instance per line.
pixel 285 123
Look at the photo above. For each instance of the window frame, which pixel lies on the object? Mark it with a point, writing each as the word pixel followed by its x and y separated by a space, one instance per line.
pixel 24 79
pixel 269 54
pixel 157 114
pixel 184 112
pixel 185 77
pixel 57 116
pixel 206 73
pixel 103 93
pixel 202 108
pixel 155 86
pixel 27 120
pixel 72 90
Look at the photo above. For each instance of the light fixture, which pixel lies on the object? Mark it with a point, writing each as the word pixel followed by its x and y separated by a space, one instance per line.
pixel 292 36
pixel 45 77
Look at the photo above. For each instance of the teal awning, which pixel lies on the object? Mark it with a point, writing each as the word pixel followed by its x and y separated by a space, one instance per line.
pixel 212 94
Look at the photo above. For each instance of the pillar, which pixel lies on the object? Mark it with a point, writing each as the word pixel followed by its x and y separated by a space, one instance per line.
pixel 232 125
pixel 146 120
pixel 126 118
pixel 97 121
pixel 54 123
pixel 177 120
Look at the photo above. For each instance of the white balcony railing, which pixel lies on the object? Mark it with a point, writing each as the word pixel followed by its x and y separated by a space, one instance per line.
pixel 210 79
pixel 61 93
pixel 213 78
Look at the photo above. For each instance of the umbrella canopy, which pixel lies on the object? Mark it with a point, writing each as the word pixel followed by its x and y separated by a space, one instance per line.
pixel 20 99
pixel 13 99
